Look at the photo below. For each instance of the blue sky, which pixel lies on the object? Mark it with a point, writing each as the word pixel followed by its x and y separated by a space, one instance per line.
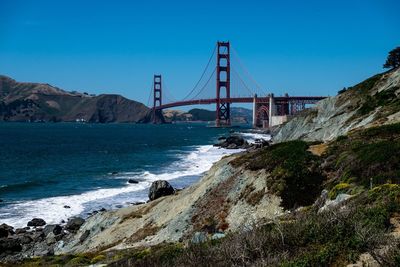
pixel 299 47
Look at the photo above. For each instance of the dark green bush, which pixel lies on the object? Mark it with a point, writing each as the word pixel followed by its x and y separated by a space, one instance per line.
pixel 295 176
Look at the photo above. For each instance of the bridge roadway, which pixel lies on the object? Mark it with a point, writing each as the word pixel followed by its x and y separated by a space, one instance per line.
pixel 304 99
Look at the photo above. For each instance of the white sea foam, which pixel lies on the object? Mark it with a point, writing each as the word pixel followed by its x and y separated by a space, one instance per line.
pixel 253 136
pixel 52 209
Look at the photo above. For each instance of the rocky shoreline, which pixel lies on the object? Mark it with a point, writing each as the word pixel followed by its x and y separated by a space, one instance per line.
pixel 39 239
pixel 36 239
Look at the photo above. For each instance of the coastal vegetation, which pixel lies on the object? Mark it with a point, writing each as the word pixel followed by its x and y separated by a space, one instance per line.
pixel 393 59
pixel 364 224
pixel 294 171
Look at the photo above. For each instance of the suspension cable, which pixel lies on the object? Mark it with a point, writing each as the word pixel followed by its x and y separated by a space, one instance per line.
pixel 202 75
pixel 168 95
pixel 151 92
pixel 240 78
pixel 201 90
pixel 246 71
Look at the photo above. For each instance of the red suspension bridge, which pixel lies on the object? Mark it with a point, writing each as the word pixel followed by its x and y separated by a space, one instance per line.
pixel 229 87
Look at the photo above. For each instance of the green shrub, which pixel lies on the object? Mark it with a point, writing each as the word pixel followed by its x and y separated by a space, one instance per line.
pixel 338 189
pixel 294 173
pixel 368 156
pixel 98 259
pixel 80 260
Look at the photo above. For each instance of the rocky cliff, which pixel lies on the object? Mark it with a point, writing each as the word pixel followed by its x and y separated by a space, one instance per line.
pixel 372 102
pixel 43 102
pixel 227 198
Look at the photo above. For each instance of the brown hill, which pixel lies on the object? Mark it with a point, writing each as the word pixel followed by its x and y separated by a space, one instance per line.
pixel 43 102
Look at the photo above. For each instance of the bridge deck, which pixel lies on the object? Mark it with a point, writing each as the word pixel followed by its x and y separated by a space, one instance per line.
pixel 312 99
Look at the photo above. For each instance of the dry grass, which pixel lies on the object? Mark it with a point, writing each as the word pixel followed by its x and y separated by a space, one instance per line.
pixel 141 211
pixel 142 233
pixel 319 149
pixel 132 215
pixel 254 198
pixel 246 191
pixel 211 211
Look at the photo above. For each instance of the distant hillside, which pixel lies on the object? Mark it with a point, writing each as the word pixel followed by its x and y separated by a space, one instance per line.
pixel 202 114
pixel 239 115
pixel 43 102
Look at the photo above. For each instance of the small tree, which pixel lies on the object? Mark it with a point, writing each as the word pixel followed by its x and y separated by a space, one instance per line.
pixel 393 59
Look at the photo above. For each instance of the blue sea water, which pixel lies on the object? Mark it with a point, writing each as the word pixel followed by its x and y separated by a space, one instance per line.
pixel 44 167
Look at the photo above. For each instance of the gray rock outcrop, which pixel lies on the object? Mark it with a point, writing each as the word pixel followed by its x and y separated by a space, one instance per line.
pixel 74 224
pixel 159 189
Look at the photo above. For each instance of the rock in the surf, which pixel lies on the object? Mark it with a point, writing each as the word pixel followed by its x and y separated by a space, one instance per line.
pixel 159 189
pixel 74 224
pixel 233 142
pixel 133 181
pixel 36 222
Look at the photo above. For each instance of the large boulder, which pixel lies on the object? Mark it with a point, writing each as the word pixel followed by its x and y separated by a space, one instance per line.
pixel 25 239
pixel 36 222
pixel 74 224
pixel 52 228
pixel 234 139
pixel 10 245
pixel 6 230
pixel 160 188
pixel 232 142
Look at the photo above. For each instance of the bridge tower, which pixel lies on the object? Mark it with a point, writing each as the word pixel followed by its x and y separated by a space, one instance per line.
pixel 223 112
pixel 157 96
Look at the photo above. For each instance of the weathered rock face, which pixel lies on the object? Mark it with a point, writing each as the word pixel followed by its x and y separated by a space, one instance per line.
pixel 373 101
pixel 74 224
pixel 159 189
pixel 52 228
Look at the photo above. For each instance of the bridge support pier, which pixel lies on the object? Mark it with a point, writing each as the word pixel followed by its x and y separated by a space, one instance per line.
pixel 271 109
pixel 255 111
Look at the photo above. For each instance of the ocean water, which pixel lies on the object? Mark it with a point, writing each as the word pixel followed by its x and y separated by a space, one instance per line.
pixel 44 167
